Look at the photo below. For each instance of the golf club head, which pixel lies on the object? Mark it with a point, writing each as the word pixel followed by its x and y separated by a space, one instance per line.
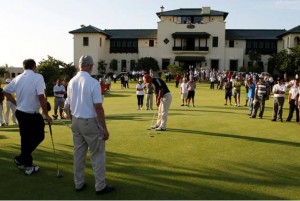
pixel 59 175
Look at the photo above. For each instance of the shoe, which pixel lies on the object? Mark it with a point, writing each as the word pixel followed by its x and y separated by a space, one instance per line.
pixel 273 120
pixel 154 127
pixel 81 189
pixel 19 165
pixel 288 120
pixel 160 129
pixel 31 169
pixel 182 105
pixel 225 104
pixel 106 189
pixel 3 124
pixel 260 117
pixel 252 117
pixel 54 117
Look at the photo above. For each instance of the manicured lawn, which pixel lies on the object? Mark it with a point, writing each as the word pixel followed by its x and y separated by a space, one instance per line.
pixel 211 151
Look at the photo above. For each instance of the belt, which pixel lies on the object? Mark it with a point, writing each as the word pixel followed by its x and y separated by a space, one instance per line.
pixel 29 112
pixel 58 97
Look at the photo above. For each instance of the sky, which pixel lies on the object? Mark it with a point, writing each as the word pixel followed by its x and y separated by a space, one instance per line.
pixel 38 28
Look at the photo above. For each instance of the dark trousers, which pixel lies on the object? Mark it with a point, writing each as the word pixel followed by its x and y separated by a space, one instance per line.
pixel 292 108
pixel 140 99
pixel 277 107
pixel 32 134
pixel 259 104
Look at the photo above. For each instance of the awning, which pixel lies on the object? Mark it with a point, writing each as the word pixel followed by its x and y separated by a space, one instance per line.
pixel 190 35
pixel 189 58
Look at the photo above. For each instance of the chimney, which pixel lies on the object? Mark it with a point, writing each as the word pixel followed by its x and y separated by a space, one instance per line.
pixel 82 26
pixel 205 10
pixel 162 9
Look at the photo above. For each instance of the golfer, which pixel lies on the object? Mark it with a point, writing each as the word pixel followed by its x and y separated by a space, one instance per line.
pixel 29 88
pixel 163 101
pixel 88 126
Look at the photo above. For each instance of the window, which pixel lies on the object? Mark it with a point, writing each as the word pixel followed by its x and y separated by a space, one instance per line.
pixel 132 65
pixel 215 42
pixel 13 74
pixel 100 42
pixel 151 43
pixel 231 43
pixel 85 41
pixel 123 65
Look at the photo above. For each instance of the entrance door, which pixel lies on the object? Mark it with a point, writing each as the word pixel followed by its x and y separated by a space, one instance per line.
pixel 233 65
pixel 214 64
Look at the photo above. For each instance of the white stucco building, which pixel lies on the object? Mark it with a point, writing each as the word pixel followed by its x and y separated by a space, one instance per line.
pixel 186 37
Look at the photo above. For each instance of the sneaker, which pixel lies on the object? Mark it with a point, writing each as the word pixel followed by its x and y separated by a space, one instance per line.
pixel 106 189
pixel 19 165
pixel 160 129
pixel 154 127
pixel 31 169
pixel 182 105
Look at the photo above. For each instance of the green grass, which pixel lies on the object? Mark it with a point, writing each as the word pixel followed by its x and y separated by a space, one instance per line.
pixel 211 151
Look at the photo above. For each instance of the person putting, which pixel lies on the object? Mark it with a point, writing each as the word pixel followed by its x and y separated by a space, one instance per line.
pixel 163 99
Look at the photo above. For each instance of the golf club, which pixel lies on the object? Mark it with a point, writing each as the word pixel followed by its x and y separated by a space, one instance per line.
pixel 58 174
pixel 149 129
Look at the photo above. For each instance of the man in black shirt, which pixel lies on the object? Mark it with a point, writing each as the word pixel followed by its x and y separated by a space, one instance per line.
pixel 163 101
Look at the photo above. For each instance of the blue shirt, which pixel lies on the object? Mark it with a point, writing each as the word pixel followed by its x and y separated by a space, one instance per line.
pixel 251 90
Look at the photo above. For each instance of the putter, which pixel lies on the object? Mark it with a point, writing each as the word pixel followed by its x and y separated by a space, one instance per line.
pixel 58 174
pixel 149 129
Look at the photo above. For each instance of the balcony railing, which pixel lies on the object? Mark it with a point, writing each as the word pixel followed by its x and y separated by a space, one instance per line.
pixel 124 50
pixel 191 49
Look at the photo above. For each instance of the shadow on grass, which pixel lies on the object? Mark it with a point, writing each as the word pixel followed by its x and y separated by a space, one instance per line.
pixel 249 138
pixel 139 178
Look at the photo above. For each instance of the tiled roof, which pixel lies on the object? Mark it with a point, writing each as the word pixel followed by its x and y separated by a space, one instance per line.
pixel 88 29
pixel 131 33
pixel 252 34
pixel 293 30
pixel 191 12
pixel 119 33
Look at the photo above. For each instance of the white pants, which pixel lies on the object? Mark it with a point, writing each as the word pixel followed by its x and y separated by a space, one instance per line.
pixel 87 135
pixel 163 109
pixel 10 107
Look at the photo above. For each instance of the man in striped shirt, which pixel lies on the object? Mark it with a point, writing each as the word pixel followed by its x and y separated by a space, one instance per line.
pixel 261 95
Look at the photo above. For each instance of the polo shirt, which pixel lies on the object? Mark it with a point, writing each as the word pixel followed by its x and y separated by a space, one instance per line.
pixel 294 92
pixel 160 84
pixel 278 87
pixel 27 86
pixel 57 88
pixel 83 92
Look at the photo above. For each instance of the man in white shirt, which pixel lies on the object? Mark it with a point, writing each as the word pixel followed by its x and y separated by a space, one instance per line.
pixel 29 88
pixel 184 91
pixel 279 93
pixel 293 100
pixel 59 91
pixel 88 126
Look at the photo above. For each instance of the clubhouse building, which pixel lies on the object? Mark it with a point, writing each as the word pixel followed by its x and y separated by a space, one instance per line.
pixel 186 37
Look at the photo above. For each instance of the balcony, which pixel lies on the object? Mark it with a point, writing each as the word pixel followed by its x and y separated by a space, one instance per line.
pixel 193 49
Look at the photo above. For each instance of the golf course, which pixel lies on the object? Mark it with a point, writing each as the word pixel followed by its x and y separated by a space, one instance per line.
pixel 209 152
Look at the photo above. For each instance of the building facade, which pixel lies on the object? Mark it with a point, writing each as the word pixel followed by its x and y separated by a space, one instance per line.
pixel 185 37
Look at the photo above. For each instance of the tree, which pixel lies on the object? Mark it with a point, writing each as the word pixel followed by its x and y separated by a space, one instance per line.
pixel 295 60
pixel 113 65
pixel 101 67
pixel 147 63
pixel 255 58
pixel 279 63
pixel 3 70
pixel 174 69
pixel 69 70
pixel 50 70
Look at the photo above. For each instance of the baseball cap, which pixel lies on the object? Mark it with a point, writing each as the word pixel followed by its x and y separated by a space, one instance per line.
pixel 86 60
pixel 147 76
